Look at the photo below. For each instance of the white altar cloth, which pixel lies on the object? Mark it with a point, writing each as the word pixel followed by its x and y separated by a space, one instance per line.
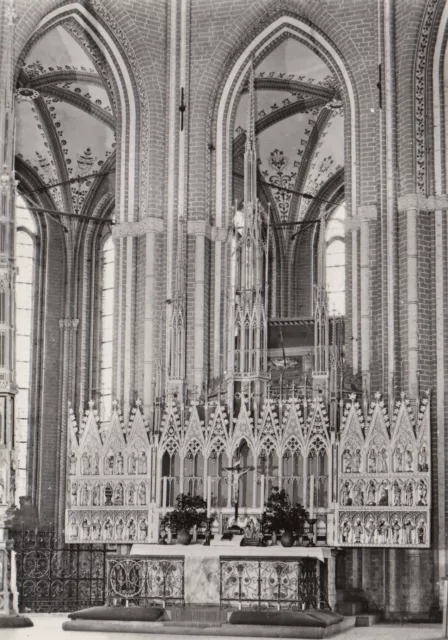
pixel 200 551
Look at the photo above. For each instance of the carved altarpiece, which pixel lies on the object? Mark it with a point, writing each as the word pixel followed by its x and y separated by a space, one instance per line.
pixel 384 479
pixel 371 481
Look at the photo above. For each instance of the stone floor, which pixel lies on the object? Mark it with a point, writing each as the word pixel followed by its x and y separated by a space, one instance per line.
pixel 49 627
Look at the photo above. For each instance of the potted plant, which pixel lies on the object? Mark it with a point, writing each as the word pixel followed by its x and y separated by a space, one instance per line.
pixel 189 511
pixel 282 516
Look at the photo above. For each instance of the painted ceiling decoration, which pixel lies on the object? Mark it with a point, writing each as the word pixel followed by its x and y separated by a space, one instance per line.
pixel 66 122
pixel 299 127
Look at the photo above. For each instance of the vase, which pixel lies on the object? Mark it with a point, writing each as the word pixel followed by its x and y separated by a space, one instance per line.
pixel 184 537
pixel 287 539
pixel 274 537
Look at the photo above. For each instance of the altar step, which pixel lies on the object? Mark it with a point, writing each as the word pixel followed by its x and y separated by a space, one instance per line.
pixel 197 615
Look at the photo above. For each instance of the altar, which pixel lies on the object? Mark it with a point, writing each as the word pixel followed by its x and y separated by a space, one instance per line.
pixel 234 576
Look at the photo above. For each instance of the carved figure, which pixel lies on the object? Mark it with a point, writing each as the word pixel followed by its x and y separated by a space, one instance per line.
pixel 89 492
pixel 384 497
pixel 96 464
pixel 131 529
pixel 120 529
pixel 119 495
pixel 371 463
pixel 382 531
pixel 397 494
pixel 370 530
pixel 96 530
pixel 84 497
pixel 345 494
pixel 358 499
pixel 108 526
pixel 72 463
pixel 120 464
pixel 236 473
pixel 85 464
pixel 142 495
pixel 399 460
pixel 421 531
pixel 422 493
pixel 2 493
pixel 74 530
pixel 345 531
pixel 382 461
pixel 346 462
pixel 74 493
pixel 85 529
pixel 356 465
pixel 358 531
pixel 143 530
pixel 96 495
pixel 423 459
pixel 371 493
pixel 143 466
pixel 396 532
pixel 409 495
pixel 110 464
pixel 131 495
pixel 132 465
pixel 407 532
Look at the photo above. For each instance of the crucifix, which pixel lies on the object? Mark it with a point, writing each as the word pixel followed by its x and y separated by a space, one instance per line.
pixel 236 472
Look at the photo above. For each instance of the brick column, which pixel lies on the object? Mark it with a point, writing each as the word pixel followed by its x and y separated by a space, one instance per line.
pixel 69 327
pixel 201 230
pixel 365 214
pixel 411 204
pixel 149 227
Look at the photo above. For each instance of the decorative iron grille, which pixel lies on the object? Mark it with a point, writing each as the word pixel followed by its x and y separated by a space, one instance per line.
pixel 143 581
pixel 56 577
pixel 264 583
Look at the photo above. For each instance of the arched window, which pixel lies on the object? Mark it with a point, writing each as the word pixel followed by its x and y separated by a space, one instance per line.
pixel 335 261
pixel 25 262
pixel 106 326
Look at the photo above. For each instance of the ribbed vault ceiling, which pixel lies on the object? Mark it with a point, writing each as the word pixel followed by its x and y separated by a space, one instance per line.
pixel 65 115
pixel 300 137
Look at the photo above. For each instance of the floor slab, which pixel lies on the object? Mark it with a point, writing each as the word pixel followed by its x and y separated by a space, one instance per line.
pixel 49 627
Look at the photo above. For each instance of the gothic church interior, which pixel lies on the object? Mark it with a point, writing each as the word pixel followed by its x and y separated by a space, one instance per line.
pixel 223 241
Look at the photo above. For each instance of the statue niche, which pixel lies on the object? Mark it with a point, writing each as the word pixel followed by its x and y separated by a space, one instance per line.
pixel 119 495
pixel 423 459
pixel 85 464
pixel 371 461
pixel 109 464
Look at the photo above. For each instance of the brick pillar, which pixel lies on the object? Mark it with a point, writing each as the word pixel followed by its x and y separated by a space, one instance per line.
pixel 411 204
pixel 68 326
pixel 365 214
pixel 200 229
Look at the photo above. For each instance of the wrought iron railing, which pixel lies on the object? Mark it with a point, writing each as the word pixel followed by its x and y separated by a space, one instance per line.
pixel 144 581
pixel 264 583
pixel 56 577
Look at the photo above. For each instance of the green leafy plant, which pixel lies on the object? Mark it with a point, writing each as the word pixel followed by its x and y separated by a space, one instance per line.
pixel 281 515
pixel 189 511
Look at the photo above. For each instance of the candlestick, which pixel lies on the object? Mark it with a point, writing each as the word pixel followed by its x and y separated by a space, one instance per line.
pixel 311 497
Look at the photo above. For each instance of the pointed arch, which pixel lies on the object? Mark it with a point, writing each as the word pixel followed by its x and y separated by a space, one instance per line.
pixel 223 112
